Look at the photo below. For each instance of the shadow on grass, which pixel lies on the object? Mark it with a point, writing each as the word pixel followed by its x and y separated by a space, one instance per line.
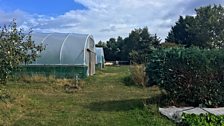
pixel 160 100
pixel 123 105
pixel 155 100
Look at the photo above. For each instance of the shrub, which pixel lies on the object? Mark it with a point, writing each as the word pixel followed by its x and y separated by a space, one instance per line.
pixel 190 76
pixel 202 120
pixel 16 48
pixel 138 74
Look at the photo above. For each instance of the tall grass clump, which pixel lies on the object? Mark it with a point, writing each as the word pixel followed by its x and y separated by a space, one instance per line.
pixel 138 74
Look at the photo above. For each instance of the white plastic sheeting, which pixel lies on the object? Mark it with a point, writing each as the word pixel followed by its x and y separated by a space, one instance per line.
pixel 99 55
pixel 66 49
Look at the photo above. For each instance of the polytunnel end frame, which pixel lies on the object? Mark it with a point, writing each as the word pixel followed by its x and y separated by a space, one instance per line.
pixel 84 60
pixel 91 37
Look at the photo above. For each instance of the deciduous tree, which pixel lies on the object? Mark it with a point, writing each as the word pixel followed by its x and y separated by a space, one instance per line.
pixel 16 48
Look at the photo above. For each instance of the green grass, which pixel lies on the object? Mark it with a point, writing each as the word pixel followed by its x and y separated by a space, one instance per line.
pixel 104 100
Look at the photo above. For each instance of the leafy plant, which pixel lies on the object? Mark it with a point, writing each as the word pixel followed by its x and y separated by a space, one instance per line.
pixel 202 120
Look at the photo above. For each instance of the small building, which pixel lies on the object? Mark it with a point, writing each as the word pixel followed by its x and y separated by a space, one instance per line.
pixel 100 57
pixel 66 55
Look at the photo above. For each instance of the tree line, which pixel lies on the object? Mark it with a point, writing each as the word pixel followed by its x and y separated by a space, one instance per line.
pixel 134 47
pixel 204 30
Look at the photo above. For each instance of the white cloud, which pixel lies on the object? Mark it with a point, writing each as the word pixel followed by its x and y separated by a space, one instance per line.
pixel 6 17
pixel 112 18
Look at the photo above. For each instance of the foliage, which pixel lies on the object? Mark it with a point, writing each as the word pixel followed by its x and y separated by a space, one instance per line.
pixel 204 30
pixel 181 33
pixel 190 76
pixel 15 48
pixel 169 45
pixel 139 44
pixel 135 47
pixel 111 48
pixel 138 74
pixel 202 120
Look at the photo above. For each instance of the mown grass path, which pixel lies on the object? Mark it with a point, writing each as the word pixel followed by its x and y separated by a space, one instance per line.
pixel 104 100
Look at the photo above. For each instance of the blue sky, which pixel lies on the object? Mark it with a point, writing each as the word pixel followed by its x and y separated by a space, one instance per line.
pixel 101 18
pixel 44 7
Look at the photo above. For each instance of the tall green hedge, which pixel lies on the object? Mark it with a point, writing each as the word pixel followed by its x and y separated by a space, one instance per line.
pixel 189 75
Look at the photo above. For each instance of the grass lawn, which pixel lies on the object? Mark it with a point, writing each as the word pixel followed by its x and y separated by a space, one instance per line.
pixel 103 100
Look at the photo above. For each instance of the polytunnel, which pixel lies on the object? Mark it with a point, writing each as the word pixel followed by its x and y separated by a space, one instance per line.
pixel 65 55
pixel 100 57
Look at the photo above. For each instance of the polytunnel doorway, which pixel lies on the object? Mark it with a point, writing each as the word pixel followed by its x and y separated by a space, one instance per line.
pixel 92 62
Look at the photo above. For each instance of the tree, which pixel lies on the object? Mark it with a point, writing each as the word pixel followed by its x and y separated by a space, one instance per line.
pixel 135 47
pixel 181 33
pixel 210 26
pixel 101 44
pixel 140 43
pixel 16 48
pixel 112 50
pixel 156 41
pixel 120 44
pixel 205 30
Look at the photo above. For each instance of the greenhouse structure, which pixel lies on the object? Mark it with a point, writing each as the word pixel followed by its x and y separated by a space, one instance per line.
pixel 66 55
pixel 100 58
